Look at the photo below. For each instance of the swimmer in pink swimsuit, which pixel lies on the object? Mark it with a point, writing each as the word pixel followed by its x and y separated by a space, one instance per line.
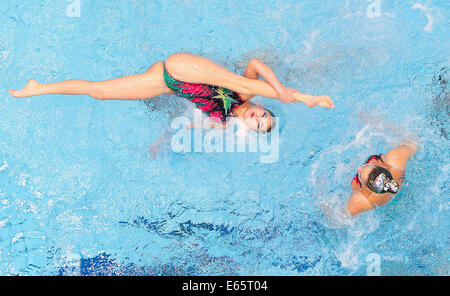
pixel 212 88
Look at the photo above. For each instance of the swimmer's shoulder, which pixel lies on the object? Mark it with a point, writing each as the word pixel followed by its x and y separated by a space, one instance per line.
pixel 398 157
pixel 358 203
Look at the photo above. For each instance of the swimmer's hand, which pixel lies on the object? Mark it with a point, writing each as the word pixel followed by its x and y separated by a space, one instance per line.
pixel 286 95
pixel 312 101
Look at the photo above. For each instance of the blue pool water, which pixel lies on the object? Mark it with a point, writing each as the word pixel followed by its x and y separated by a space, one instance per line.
pixel 81 194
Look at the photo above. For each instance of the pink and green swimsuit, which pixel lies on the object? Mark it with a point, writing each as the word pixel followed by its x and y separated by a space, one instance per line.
pixel 217 102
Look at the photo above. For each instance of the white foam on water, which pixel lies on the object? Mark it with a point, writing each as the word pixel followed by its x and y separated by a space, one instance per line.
pixel 426 10
pixel 18 236
pixel 332 199
pixel 309 44
pixel 359 140
pixel 349 256
pixel 4 166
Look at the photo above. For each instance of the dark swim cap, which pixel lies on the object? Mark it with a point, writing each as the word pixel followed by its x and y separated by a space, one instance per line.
pixel 381 181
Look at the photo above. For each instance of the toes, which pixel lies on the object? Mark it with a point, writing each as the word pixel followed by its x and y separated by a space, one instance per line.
pixel 329 102
pixel 16 93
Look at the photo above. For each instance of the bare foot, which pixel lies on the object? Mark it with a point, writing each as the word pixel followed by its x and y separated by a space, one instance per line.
pixel 323 101
pixel 28 91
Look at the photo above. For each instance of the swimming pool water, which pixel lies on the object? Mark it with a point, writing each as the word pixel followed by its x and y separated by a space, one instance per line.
pixel 81 194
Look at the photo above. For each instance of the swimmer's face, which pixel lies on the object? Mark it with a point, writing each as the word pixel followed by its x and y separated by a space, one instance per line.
pixel 257 118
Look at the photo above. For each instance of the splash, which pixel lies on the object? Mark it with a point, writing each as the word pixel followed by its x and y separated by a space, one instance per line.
pixel 426 10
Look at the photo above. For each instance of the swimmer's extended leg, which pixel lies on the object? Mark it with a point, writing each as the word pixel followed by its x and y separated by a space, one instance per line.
pixel 133 87
pixel 68 87
pixel 196 69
